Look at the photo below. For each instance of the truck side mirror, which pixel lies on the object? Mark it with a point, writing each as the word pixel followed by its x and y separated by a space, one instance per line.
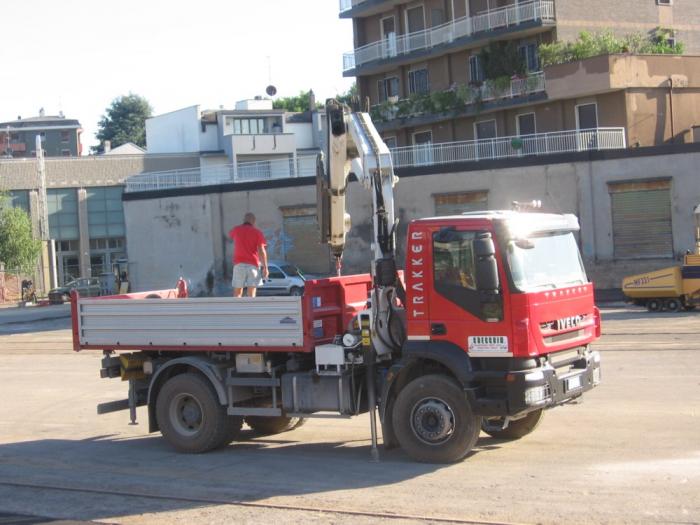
pixel 486 266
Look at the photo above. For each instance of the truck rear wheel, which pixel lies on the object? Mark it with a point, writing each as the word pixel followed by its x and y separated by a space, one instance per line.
pixel 190 416
pixel 517 429
pixel 672 305
pixel 653 305
pixel 433 420
pixel 267 426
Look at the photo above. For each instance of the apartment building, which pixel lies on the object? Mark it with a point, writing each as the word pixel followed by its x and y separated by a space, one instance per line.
pixel 60 136
pixel 428 68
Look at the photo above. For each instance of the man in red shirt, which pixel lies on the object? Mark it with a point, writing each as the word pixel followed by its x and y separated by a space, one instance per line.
pixel 248 248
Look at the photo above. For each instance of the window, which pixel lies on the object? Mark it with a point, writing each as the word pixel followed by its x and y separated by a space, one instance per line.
pixel 65 136
pixel 105 212
pixel 415 19
pixel 641 219
pixel 423 148
pixel 458 203
pixel 63 214
pixel 388 88
pixel 67 246
pixel 390 142
pixel 454 273
pixel 664 2
pixel 20 199
pixel 485 129
pixel 587 116
pixel 276 273
pixel 65 153
pixel 249 126
pixel 530 56
pixel 388 27
pixel 476 70
pixel 526 124
pixel 418 81
pixel 437 17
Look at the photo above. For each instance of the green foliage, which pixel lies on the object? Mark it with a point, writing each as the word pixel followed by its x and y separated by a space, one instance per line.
pixel 18 248
pixel 589 45
pixel 124 121
pixel 297 104
pixel 502 59
pixel 349 95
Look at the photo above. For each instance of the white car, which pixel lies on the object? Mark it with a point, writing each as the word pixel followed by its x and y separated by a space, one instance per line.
pixel 284 279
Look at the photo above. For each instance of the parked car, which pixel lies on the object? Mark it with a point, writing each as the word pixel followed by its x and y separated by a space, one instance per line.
pixel 87 287
pixel 284 279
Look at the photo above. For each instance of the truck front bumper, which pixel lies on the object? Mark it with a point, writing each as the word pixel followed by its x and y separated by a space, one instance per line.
pixel 523 391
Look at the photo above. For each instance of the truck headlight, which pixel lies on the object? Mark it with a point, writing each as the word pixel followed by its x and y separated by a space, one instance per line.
pixel 536 395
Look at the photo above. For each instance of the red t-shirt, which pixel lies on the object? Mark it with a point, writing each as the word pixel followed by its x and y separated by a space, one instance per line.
pixel 246 240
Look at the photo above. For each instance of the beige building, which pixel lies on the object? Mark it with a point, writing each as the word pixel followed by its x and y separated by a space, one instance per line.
pixel 422 66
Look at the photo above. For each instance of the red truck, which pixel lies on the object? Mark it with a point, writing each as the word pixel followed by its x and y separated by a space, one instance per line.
pixel 490 323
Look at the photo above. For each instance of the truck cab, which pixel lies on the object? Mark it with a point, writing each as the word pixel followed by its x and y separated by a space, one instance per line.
pixel 500 301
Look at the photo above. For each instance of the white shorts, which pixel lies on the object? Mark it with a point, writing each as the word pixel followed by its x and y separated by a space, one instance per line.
pixel 246 276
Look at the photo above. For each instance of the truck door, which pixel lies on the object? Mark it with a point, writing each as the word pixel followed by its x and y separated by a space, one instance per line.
pixel 460 312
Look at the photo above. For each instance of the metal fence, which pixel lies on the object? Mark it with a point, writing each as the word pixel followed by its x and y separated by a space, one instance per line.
pixel 303 166
pixel 508 147
pixel 467 26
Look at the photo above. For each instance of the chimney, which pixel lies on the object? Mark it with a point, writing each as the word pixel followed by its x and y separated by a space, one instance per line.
pixel 107 146
pixel 60 114
pixel 312 101
pixel 19 117
pixel 42 113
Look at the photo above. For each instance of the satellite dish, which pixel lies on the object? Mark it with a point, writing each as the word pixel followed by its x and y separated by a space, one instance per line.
pixel 271 90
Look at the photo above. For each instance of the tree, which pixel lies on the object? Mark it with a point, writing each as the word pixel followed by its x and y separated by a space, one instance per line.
pixel 19 250
pixel 296 104
pixel 124 121
pixel 347 97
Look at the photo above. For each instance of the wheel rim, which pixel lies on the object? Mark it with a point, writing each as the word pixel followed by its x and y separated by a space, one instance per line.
pixel 672 305
pixel 186 414
pixel 653 305
pixel 432 421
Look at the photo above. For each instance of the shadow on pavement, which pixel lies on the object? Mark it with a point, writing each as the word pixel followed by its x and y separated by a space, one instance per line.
pixel 247 471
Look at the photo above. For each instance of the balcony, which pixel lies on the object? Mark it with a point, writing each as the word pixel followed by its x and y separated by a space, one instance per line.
pixel 509 147
pixel 453 34
pixel 405 157
pixel 263 144
pixel 305 166
pixel 353 8
pixel 438 106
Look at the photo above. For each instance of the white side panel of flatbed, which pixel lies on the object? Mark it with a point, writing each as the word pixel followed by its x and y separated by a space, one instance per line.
pixel 262 321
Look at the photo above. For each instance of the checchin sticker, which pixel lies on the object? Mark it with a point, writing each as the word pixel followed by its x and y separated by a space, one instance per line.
pixel 488 343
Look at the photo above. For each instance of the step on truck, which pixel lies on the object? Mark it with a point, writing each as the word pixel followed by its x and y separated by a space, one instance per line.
pixel 489 324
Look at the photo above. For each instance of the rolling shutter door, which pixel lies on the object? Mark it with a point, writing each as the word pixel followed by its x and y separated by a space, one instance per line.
pixel 302 245
pixel 641 218
pixel 458 203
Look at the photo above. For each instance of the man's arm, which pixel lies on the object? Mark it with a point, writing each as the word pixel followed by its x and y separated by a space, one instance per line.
pixel 263 257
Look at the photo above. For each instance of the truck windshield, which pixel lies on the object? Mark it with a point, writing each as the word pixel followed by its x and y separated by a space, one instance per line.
pixel 546 261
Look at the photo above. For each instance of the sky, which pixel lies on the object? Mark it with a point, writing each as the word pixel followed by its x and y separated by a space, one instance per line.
pixel 76 56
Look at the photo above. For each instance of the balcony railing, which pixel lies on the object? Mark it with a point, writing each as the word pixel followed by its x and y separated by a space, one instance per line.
pixel 459 98
pixel 509 147
pixel 503 17
pixel 404 157
pixel 305 166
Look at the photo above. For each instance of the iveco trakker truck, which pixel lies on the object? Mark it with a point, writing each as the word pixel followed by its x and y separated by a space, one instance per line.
pixel 489 324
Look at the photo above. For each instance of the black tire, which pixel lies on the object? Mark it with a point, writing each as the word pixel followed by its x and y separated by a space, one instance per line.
pixel 672 305
pixel 190 416
pixel 433 420
pixel 689 307
pixel 296 291
pixel 267 426
pixel 653 305
pixel 518 429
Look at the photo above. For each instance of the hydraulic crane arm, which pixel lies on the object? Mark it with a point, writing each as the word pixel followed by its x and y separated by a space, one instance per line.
pixel 354 146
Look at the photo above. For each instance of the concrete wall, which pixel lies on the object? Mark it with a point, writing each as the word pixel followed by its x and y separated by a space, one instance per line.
pixel 187 235
pixel 174 132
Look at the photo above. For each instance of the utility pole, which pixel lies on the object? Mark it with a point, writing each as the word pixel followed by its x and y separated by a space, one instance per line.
pixel 48 252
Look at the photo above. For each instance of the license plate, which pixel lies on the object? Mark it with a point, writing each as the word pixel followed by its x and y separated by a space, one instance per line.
pixel 572 383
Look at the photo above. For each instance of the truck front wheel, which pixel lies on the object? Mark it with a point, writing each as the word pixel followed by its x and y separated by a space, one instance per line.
pixel 433 420
pixel 518 428
pixel 190 416
pixel 267 426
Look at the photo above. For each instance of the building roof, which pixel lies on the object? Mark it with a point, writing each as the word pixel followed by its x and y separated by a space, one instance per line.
pixel 49 121
pixel 126 149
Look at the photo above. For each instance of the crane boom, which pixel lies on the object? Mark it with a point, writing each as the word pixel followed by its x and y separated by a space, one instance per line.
pixel 354 146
